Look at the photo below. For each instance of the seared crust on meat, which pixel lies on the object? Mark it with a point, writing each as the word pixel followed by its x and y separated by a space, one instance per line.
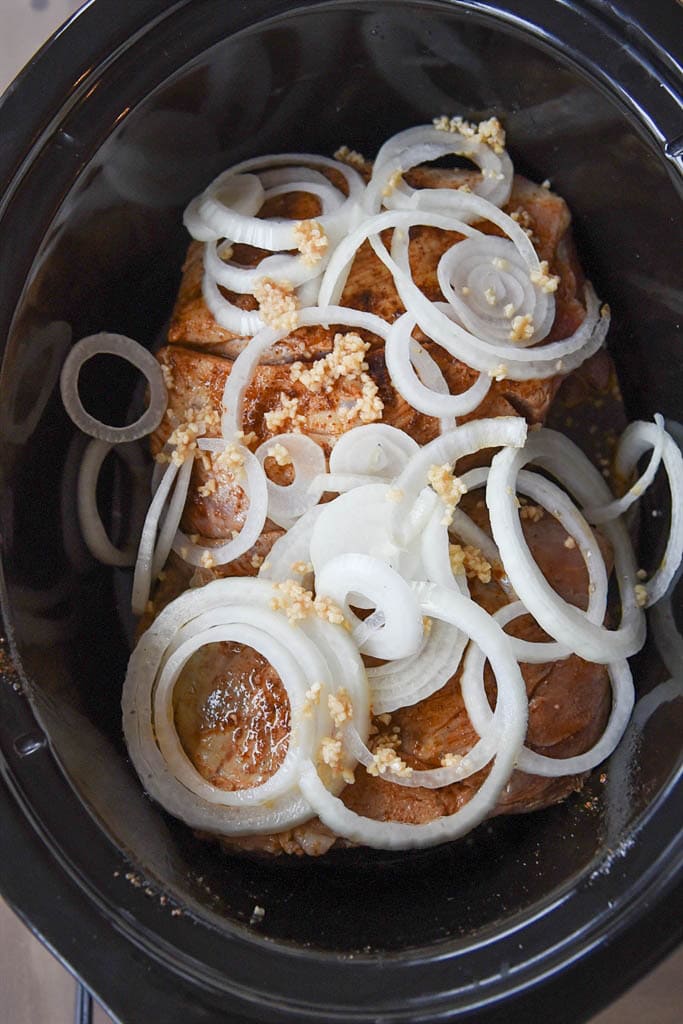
pixel 569 700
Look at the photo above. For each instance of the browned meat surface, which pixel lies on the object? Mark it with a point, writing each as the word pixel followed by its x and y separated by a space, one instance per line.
pixel 371 287
pixel 569 703
pixel 231 710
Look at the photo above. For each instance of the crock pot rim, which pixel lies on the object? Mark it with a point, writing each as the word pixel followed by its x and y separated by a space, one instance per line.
pixel 666 887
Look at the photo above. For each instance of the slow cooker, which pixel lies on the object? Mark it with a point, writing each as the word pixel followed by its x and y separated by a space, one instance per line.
pixel 122 117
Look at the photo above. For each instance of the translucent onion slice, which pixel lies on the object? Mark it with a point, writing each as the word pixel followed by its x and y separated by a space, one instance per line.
pixel 265 640
pixel 563 621
pixel 375 449
pixel 241 322
pixel 558 504
pixel 401 358
pixel 487 283
pixel 132 352
pixel 358 523
pixel 292 548
pixel 347 576
pixel 288 502
pixel 481 716
pixel 90 521
pixel 152 553
pixel 424 143
pixel 216 211
pixel 320 650
pixel 339 483
pixel 430 375
pixel 406 681
pixel 241 193
pixel 512 702
pixel 448 448
pixel 634 442
pixel 255 487
pixel 244 366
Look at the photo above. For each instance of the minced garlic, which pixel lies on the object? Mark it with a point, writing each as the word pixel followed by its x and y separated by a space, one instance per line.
pixel 641 595
pixel 312 699
pixel 449 488
pixel 230 460
pixel 499 372
pixel 325 608
pixel 280 454
pixel 393 182
pixel 347 359
pixel 288 412
pixel 278 305
pixel 303 568
pixel 469 560
pixel 167 374
pixel 545 281
pixel 340 707
pixel 208 488
pixel 532 512
pixel 522 328
pixel 298 603
pixel 385 759
pixel 490 296
pixel 451 760
pixel 351 157
pixel 311 241
pixel 569 543
pixel 330 752
pixel 207 560
pixel 292 599
pixel 509 310
pixel 490 132
pixel 256 561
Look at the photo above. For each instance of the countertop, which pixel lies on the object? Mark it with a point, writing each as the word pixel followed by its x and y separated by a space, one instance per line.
pixel 34 987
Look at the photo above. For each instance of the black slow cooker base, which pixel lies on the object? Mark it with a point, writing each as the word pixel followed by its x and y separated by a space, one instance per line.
pixel 358 935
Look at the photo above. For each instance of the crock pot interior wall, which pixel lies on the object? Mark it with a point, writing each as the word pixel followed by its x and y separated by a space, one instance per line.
pixel 312 80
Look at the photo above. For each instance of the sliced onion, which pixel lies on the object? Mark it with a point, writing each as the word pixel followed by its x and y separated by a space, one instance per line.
pixel 344 577
pixel 512 706
pixel 255 487
pixel 375 449
pixel 241 193
pixel 448 448
pixel 286 503
pixel 400 354
pixel 292 547
pixel 430 375
pixel 406 681
pixel 132 352
pixel 507 360
pixel 138 721
pixel 491 268
pixel 152 554
pixel 244 366
pixel 558 503
pixel 92 527
pixel 481 716
pixel 339 483
pixel 358 523
pixel 424 143
pixel 634 442
pixel 319 649
pixel 563 621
